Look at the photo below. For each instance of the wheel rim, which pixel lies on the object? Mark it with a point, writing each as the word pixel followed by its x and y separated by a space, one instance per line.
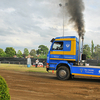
pixel 62 73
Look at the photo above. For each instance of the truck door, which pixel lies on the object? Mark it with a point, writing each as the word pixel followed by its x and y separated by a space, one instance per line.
pixel 56 53
pixel 70 50
pixel 67 50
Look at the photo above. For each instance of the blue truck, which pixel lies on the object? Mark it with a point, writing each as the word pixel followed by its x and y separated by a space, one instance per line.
pixel 63 57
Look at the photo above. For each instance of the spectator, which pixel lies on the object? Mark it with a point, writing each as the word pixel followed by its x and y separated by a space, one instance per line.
pixel 28 61
pixel 43 63
pixel 37 61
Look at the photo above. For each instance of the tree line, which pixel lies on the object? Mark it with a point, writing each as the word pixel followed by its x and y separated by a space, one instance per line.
pixel 92 52
pixel 10 52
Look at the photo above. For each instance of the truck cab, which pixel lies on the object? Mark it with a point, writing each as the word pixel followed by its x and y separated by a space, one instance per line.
pixel 62 55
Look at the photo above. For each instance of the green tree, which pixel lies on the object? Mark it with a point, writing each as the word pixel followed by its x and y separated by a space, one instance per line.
pixel 19 54
pixel 92 49
pixel 33 52
pixel 26 52
pixel 42 49
pixel 38 51
pixel 97 52
pixel 10 51
pixel 86 50
pixel 43 56
pixel 2 53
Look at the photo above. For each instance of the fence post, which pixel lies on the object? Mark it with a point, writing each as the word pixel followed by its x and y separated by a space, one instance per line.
pixel 0 62
pixel 19 64
pixel 9 63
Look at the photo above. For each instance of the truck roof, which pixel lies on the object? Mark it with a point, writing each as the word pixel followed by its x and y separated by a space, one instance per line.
pixel 67 37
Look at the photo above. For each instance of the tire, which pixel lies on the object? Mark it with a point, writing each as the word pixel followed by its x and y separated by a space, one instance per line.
pixel 63 73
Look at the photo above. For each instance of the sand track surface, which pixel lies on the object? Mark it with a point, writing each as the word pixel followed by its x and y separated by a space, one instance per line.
pixel 45 86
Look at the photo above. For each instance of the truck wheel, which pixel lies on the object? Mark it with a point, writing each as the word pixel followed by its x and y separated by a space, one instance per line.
pixel 63 73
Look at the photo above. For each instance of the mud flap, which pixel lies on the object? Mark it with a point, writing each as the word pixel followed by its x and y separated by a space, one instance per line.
pixel 47 69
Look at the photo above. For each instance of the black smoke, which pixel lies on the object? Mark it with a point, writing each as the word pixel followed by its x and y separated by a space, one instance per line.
pixel 75 10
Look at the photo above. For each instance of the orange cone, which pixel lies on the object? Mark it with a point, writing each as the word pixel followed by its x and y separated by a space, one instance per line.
pixel 53 71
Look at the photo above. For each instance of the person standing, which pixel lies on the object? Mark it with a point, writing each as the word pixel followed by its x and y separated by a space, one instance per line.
pixel 28 61
pixel 43 63
pixel 37 61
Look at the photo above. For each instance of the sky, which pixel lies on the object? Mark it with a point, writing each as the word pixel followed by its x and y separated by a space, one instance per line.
pixel 30 23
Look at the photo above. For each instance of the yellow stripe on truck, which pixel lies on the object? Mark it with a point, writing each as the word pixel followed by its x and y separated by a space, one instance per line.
pixel 86 75
pixel 65 39
pixel 62 59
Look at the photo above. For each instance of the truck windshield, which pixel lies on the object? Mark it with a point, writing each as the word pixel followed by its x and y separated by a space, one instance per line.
pixel 57 46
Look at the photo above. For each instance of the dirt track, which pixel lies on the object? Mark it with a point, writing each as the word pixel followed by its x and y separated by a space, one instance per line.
pixel 40 86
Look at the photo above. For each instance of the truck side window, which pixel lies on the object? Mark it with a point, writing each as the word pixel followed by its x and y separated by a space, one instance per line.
pixel 57 46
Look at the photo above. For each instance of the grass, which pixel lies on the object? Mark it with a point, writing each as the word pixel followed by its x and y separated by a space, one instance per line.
pixel 23 68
